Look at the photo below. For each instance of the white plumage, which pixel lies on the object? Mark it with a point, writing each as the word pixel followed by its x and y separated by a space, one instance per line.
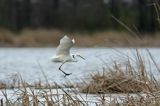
pixel 63 53
pixel 63 50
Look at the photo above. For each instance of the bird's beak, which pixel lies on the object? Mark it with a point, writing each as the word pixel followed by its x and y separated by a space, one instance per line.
pixel 81 57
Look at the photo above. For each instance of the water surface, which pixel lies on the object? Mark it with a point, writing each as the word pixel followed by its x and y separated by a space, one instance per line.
pixel 25 61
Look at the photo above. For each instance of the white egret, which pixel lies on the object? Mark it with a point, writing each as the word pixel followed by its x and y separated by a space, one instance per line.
pixel 63 53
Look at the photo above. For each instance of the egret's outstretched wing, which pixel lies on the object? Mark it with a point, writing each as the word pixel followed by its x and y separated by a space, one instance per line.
pixel 64 47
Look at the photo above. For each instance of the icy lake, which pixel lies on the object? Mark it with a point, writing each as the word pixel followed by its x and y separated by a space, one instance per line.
pixel 25 61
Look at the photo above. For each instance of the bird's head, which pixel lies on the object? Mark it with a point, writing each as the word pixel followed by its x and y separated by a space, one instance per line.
pixel 73 41
pixel 77 55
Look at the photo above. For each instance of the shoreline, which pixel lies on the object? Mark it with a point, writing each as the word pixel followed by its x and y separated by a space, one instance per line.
pixel 50 38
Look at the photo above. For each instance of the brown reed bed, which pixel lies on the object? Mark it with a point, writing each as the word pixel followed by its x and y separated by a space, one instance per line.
pixel 51 37
pixel 123 78
pixel 127 78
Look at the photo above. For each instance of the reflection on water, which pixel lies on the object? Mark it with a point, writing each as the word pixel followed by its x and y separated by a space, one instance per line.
pixel 25 62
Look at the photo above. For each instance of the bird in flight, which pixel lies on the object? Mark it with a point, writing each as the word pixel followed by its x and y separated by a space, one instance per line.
pixel 63 53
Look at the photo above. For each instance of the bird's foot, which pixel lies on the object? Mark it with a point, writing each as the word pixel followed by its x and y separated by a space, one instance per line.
pixel 65 74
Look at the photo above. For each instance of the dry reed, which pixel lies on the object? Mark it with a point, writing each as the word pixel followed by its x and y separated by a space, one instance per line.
pixel 126 79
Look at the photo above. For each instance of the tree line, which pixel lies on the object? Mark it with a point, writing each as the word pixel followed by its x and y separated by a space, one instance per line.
pixel 88 15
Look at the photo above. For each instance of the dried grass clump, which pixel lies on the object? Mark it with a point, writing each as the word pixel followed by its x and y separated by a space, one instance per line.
pixel 6 37
pixel 2 85
pixel 28 96
pixel 115 82
pixel 122 78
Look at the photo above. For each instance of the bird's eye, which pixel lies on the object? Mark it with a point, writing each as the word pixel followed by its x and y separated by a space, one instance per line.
pixel 73 56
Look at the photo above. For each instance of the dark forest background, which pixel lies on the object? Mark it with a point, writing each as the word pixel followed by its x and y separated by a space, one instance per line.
pixel 80 15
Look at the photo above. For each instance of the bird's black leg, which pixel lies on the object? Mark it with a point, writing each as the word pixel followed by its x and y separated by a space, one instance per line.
pixel 65 74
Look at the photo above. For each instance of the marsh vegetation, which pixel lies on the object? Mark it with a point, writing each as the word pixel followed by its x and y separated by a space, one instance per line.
pixel 131 83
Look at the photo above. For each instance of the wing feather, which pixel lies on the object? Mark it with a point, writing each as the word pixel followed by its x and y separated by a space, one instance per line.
pixel 65 45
